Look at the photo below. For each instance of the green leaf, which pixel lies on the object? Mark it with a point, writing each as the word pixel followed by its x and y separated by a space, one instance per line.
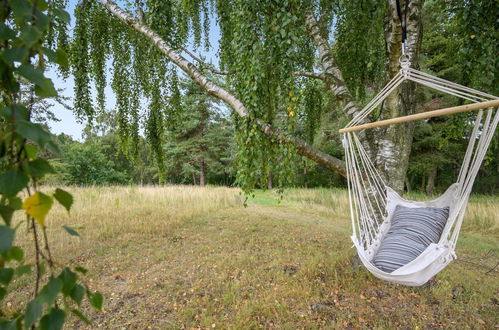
pixel 34 132
pixel 22 270
pixel 66 200
pixel 53 147
pixel 81 316
pixel 49 292
pixel 53 320
pixel 68 279
pixel 42 5
pixel 30 35
pixel 42 20
pixel 6 239
pixel 49 53
pixel 62 15
pixel 59 56
pixel 6 213
pixel 39 167
pixel 45 90
pixel 6 275
pixel 77 293
pixel 35 75
pixel 8 325
pixel 43 86
pixel 21 9
pixel 20 112
pixel 96 300
pixel 15 253
pixel 16 203
pixel 33 313
pixel 71 231
pixel 3 293
pixel 14 54
pixel 6 33
pixel 31 150
pixel 9 82
pixel 42 269
pixel 12 182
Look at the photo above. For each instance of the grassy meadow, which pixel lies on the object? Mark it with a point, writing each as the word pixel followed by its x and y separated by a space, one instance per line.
pixel 195 257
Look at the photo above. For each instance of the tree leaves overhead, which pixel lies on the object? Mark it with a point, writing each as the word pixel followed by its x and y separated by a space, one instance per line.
pixel 359 46
pixel 80 54
pixel 262 44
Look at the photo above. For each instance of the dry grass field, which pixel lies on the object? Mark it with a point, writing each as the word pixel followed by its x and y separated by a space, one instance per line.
pixel 190 257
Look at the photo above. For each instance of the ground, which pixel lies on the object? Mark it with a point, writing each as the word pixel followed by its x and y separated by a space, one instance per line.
pixel 192 257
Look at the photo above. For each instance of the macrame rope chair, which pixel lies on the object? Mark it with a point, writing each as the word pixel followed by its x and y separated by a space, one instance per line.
pixel 372 202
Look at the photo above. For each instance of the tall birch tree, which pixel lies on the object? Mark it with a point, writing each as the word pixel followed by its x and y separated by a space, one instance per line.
pixel 268 51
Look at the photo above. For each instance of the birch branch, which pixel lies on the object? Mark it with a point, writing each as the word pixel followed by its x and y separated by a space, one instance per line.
pixel 332 74
pixel 219 92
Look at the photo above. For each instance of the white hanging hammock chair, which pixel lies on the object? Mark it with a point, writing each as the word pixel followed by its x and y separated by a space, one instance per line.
pixel 372 202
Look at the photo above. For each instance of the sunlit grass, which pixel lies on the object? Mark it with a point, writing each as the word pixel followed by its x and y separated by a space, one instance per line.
pixel 182 256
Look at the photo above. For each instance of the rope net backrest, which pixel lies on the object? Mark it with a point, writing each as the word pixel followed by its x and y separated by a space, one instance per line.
pixel 368 192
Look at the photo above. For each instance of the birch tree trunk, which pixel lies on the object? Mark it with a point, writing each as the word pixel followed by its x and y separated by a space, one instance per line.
pixel 389 147
pixel 393 143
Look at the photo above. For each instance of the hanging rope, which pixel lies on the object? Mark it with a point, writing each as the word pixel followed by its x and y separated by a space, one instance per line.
pixel 403 23
pixel 372 202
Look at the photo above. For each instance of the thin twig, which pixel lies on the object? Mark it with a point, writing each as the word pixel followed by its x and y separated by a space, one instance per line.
pixel 49 260
pixel 493 269
pixel 489 269
pixel 488 254
pixel 204 64
pixel 37 256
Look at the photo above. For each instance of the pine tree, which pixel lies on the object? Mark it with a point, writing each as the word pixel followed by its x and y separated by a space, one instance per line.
pixel 201 150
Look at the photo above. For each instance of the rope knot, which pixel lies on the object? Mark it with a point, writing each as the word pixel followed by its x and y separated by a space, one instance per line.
pixel 405 65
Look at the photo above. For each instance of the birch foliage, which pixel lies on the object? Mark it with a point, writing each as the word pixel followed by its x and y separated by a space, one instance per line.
pixel 262 45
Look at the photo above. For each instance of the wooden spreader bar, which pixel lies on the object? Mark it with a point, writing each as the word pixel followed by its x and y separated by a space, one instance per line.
pixel 424 115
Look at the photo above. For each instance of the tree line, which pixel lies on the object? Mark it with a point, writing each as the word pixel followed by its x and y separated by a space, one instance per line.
pixel 203 151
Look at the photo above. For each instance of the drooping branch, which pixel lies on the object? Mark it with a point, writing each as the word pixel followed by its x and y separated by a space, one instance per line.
pixel 219 92
pixel 305 149
pixel 333 76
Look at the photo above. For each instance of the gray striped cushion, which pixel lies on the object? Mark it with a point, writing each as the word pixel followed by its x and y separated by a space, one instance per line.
pixel 410 233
